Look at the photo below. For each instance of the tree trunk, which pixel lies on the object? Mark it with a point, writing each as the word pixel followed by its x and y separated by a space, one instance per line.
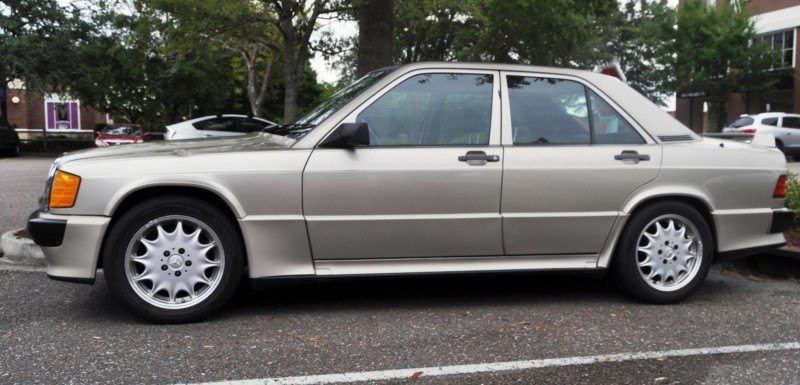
pixel 375 34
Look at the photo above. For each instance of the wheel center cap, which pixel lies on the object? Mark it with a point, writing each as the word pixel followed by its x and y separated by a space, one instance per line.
pixel 175 261
pixel 668 253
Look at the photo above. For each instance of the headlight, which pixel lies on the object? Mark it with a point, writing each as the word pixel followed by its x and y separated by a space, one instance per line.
pixel 65 190
pixel 100 143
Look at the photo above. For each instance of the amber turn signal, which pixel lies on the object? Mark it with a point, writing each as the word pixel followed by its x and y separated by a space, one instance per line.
pixel 781 188
pixel 65 190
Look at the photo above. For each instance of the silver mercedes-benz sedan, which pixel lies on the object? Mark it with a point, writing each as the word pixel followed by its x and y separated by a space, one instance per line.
pixel 425 168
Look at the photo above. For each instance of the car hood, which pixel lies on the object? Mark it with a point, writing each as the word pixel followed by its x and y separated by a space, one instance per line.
pixel 180 148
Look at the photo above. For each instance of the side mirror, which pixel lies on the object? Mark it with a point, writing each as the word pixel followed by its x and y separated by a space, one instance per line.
pixel 348 135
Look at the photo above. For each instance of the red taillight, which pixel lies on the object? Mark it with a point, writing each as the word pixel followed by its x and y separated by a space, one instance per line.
pixel 781 187
pixel 749 131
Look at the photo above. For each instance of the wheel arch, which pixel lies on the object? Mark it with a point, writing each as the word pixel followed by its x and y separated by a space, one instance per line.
pixel 696 201
pixel 134 196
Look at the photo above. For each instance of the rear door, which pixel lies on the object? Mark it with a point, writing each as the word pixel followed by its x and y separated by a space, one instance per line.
pixel 413 192
pixel 572 157
pixel 791 128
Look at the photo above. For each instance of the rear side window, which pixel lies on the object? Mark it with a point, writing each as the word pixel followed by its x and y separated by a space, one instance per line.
pixel 437 109
pixel 216 124
pixel 556 111
pixel 770 121
pixel 791 121
pixel 741 122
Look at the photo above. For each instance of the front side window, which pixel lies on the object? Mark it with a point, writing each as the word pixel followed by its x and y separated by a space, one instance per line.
pixel 216 124
pixel 251 125
pixel 437 109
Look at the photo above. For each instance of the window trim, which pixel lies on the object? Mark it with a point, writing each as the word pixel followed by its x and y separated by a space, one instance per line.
pixel 495 125
pixel 506 130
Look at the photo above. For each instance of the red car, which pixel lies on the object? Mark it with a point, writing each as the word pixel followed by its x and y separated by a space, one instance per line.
pixel 120 133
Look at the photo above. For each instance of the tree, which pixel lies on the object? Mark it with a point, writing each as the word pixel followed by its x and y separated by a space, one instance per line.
pixel 36 40
pixel 375 34
pixel 716 54
pixel 128 75
pixel 239 27
pixel 567 33
pixel 296 23
pixel 644 45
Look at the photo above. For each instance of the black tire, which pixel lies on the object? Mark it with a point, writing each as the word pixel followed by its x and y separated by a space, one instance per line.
pixel 625 265
pixel 138 217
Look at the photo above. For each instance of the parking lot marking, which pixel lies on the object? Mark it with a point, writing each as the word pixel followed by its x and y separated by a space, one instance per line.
pixel 395 374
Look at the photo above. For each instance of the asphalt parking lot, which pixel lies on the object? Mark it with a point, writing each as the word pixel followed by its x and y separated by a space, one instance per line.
pixel 488 329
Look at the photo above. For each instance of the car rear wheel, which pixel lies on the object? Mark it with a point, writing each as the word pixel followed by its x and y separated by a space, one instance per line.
pixel 173 259
pixel 664 253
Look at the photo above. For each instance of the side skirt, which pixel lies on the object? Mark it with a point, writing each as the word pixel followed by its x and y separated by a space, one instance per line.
pixel 454 265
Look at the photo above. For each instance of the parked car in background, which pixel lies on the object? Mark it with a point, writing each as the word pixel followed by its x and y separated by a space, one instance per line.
pixel 120 133
pixel 9 139
pixel 425 168
pixel 785 127
pixel 217 125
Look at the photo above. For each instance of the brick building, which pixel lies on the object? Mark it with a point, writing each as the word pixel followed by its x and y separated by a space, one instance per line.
pixel 34 111
pixel 777 22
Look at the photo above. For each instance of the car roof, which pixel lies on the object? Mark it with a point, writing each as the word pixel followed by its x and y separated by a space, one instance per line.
pixel 768 115
pixel 195 120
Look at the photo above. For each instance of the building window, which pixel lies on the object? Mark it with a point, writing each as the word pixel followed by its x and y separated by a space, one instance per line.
pixel 783 42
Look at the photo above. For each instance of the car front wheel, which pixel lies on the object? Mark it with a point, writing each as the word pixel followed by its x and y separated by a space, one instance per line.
pixel 173 259
pixel 664 253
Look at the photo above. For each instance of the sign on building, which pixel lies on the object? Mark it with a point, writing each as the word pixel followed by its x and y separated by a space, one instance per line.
pixel 62 114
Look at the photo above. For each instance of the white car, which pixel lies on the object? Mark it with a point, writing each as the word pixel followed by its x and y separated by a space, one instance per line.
pixel 785 127
pixel 216 125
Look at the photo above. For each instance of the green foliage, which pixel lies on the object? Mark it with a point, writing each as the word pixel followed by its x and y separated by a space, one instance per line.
pixel 643 43
pixel 36 37
pixel 715 54
pixel 793 195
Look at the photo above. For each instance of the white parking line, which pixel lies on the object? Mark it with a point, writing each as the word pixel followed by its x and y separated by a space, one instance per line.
pixel 395 374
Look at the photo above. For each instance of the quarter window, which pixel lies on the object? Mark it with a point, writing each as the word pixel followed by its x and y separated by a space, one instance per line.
pixel 609 126
pixel 433 110
pixel 770 121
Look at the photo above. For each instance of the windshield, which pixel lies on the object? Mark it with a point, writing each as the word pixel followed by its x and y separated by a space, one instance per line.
pixel 122 130
pixel 325 109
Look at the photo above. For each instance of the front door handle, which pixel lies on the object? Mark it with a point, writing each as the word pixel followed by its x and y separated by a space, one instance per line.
pixel 634 156
pixel 478 158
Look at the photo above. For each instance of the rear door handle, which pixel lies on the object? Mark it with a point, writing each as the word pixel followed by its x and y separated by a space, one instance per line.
pixel 478 158
pixel 634 156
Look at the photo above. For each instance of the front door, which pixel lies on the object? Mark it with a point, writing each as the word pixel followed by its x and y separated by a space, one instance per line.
pixel 428 185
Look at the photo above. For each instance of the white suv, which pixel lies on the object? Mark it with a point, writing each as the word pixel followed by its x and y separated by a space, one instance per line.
pixel 785 127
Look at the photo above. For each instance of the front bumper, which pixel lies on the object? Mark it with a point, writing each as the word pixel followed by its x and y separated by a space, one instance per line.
pixel 71 244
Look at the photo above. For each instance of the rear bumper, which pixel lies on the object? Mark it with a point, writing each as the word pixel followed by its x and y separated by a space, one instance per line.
pixel 71 244
pixel 741 233
pixel 781 220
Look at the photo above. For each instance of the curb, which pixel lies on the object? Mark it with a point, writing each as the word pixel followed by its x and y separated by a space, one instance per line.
pixel 20 251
